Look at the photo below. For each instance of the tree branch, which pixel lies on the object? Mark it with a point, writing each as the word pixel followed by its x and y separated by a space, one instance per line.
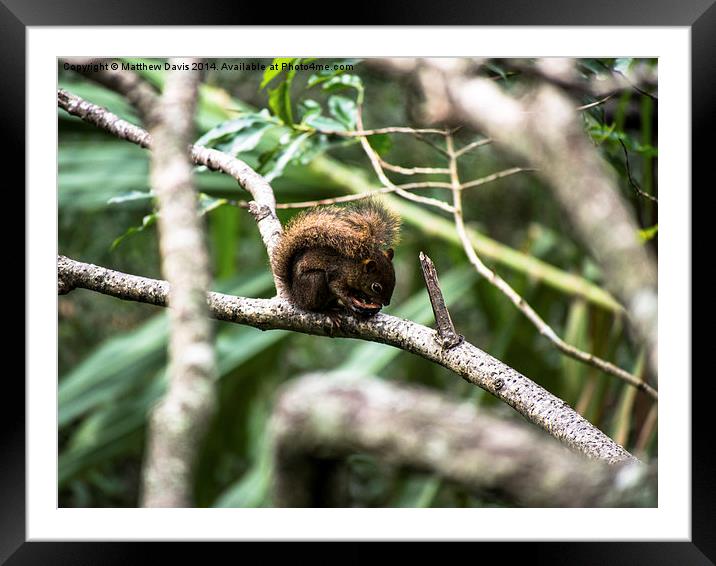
pixel 446 329
pixel 325 417
pixel 523 306
pixel 545 130
pixel 264 204
pixel 134 88
pixel 385 181
pixel 475 366
pixel 178 422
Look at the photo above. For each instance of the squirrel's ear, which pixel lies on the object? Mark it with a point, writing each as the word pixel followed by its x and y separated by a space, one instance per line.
pixel 389 254
pixel 369 265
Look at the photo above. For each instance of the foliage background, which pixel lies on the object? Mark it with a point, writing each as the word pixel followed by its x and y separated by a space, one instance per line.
pixel 112 354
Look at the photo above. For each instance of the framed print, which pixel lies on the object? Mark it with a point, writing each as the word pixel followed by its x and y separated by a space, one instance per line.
pixel 433 203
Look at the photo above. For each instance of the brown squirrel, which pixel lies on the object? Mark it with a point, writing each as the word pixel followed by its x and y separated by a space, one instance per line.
pixel 334 257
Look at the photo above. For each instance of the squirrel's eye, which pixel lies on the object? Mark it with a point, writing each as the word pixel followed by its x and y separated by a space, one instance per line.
pixel 376 287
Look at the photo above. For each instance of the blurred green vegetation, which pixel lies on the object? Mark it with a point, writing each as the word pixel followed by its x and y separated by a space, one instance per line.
pixel 112 354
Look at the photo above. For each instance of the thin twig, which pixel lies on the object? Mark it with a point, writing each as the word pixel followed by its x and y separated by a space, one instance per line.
pixel 377 131
pixel 596 103
pixel 387 190
pixel 474 145
pixel 413 170
pixel 632 182
pixel 418 133
pixel 544 130
pixel 519 302
pixel 432 144
pixel 494 176
pixel 351 198
pixel 375 162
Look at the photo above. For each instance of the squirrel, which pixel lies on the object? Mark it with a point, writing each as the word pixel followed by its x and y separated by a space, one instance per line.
pixel 333 257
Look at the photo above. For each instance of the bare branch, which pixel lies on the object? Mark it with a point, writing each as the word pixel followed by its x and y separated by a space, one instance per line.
pixel 632 182
pixel 519 302
pixel 387 130
pixel 102 118
pixel 420 429
pixel 536 404
pixel 595 103
pixel 264 209
pixel 494 176
pixel 127 83
pixel 178 422
pixel 543 129
pixel 375 162
pixel 412 170
pixel 351 198
pixel 469 147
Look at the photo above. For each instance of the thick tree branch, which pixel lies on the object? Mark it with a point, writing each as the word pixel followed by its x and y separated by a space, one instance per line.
pixel 325 417
pixel 475 366
pixel 178 422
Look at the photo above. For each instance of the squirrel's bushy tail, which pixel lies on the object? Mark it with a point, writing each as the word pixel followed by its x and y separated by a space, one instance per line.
pixel 353 231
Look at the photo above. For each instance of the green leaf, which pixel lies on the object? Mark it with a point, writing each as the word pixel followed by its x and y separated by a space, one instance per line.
pixel 93 170
pixel 275 167
pixel 248 139
pixel 311 116
pixel 622 65
pixel 381 143
pixel 208 203
pixel 308 108
pixel 496 69
pixel 648 233
pixel 227 129
pixel 325 124
pixel 327 74
pixel 278 103
pixel 114 367
pixel 344 110
pixel 275 69
pixel 147 221
pixel 344 81
pixel 280 97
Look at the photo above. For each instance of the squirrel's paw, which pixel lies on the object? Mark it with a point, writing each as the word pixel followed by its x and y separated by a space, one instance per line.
pixel 335 323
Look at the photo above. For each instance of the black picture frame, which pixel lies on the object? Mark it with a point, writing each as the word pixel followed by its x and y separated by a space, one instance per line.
pixel 698 15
